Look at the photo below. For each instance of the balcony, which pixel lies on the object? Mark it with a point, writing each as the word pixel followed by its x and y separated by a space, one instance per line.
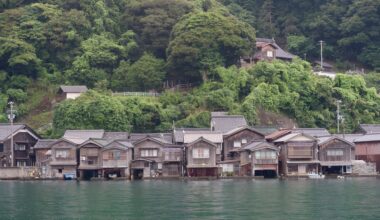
pixel 265 161
pixel 114 164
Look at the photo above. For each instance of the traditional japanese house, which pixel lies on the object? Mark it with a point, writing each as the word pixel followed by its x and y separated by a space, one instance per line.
pixel 259 158
pixel 336 155
pixel 148 157
pixel 89 159
pixel 173 161
pixel 368 148
pixel 298 154
pixel 201 158
pixel 24 139
pixel 179 133
pixel 116 157
pixel 63 162
pixel 233 140
pixel 42 150
pixel 70 92
pixel 221 122
pixel 215 137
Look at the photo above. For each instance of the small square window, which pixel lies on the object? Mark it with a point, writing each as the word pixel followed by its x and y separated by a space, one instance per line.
pixel 59 170
pixel 244 141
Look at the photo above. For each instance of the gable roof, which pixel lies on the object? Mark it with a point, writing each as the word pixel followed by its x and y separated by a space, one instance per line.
pixel 44 143
pixel 154 139
pixel 62 140
pixel 370 128
pixel 115 135
pixel 349 137
pixel 201 139
pixel 265 129
pixel 280 53
pixel 290 136
pixel 238 129
pixel 226 123
pixel 277 134
pixel 137 136
pixel 213 136
pixel 73 89
pixel 258 145
pixel 92 141
pixel 327 139
pixel 178 133
pixel 6 130
pixel 80 136
pixel 315 132
pixel 368 138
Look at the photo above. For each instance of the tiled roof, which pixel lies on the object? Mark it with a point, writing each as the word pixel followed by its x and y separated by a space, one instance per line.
pixel 44 143
pixel 315 132
pixel 265 129
pixel 80 136
pixel 6 130
pixel 238 129
pixel 138 136
pixel 367 138
pixel 213 136
pixel 179 133
pixel 280 53
pixel 113 135
pixel 326 139
pixel 227 122
pixel 277 134
pixel 349 137
pixel 370 128
pixel 73 89
pixel 291 136
pixel 256 145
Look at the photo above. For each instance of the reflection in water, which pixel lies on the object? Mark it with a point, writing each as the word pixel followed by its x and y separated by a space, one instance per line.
pixel 219 199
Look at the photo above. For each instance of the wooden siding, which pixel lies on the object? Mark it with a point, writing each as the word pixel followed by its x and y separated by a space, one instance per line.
pixel 228 142
pixel 348 151
pixel 148 144
pixel 71 154
pixel 109 161
pixel 21 138
pixel 201 162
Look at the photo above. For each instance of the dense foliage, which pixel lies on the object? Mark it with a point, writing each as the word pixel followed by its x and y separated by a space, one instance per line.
pixel 138 45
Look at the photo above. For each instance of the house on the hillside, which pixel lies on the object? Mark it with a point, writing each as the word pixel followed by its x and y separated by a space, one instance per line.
pixel 266 50
pixel 222 122
pixel 298 154
pixel 24 139
pixel 336 155
pixel 259 158
pixel 201 158
pixel 71 92
pixel 327 67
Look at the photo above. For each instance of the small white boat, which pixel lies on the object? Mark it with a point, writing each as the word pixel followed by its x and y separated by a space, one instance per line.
pixel 340 177
pixel 315 176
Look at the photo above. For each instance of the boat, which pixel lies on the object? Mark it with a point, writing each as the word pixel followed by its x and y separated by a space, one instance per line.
pixel 340 177
pixel 315 176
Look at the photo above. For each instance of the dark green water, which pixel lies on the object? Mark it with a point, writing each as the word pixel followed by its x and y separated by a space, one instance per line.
pixel 357 198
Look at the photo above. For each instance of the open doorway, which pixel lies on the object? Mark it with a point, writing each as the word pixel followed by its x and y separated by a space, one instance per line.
pixel 88 174
pixel 266 173
pixel 137 174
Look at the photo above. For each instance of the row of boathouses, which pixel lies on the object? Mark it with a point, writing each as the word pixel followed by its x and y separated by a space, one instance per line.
pixel 229 147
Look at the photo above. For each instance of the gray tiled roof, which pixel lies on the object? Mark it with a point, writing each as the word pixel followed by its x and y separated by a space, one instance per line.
pixel 323 140
pixel 73 89
pixel 368 138
pixel 6 130
pixel 138 136
pixel 370 128
pixel 115 135
pixel 280 53
pixel 227 122
pixel 44 143
pixel 349 137
pixel 315 132
pixel 80 136
pixel 255 145
pixel 265 129
pixel 179 133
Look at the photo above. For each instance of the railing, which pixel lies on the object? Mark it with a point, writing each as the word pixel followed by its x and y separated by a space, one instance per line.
pixel 152 94
pixel 265 161
pixel 114 163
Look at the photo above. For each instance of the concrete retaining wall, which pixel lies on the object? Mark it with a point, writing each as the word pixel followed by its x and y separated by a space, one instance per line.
pixel 19 172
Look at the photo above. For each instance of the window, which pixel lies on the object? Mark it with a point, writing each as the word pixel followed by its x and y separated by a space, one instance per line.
pixel 1 147
pixel 260 155
pixel 21 163
pixel 61 153
pixel 244 141
pixel 269 53
pixel 114 155
pixel 237 144
pixel 149 153
pixel 60 170
pixel 20 147
pixel 201 153
pixel 335 152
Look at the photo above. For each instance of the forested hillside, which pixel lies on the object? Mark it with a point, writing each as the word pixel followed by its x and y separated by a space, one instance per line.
pixel 138 45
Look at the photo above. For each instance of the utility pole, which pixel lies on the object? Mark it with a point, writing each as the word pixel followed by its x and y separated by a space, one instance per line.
pixel 321 42
pixel 338 116
pixel 11 117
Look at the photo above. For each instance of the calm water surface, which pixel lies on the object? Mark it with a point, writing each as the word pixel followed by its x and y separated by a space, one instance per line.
pixel 357 198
